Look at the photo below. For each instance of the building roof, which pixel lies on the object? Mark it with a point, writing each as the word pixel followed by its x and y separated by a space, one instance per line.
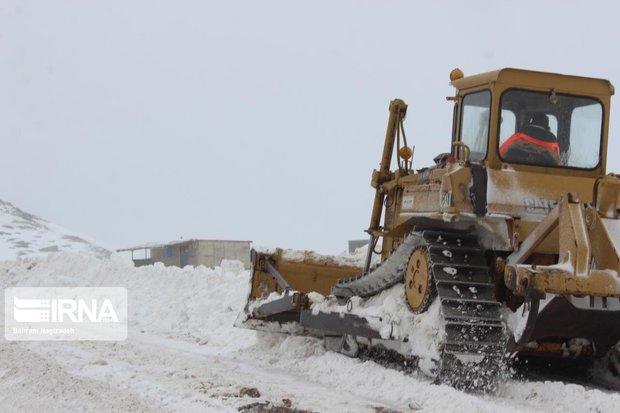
pixel 151 245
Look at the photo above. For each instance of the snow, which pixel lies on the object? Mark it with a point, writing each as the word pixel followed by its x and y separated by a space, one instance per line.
pixel 183 353
pixel 24 234
pixel 450 270
pixel 566 266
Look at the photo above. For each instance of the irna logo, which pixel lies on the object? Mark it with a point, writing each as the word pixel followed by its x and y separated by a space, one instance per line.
pixel 65 313
pixel 36 310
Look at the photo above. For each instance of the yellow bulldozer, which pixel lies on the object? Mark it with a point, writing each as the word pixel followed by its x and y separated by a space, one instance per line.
pixel 509 244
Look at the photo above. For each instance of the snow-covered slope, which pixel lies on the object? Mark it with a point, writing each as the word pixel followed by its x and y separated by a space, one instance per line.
pixel 183 354
pixel 24 234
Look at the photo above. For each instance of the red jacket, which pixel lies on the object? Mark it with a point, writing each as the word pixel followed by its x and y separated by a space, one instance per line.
pixel 523 142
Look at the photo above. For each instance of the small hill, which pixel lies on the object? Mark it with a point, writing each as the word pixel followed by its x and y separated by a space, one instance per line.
pixel 24 234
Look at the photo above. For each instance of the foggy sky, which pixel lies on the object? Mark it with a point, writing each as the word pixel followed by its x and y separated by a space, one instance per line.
pixel 135 121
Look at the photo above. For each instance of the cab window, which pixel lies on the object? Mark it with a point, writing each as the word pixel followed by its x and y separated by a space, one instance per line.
pixel 508 125
pixel 475 123
pixel 585 131
pixel 548 129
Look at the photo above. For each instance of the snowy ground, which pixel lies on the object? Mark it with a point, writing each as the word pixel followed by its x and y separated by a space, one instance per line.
pixel 183 354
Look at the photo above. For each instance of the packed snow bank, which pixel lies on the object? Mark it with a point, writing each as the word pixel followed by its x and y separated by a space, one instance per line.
pixel 24 234
pixel 196 304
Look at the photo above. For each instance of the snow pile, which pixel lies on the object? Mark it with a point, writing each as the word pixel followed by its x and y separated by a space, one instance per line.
pixel 195 304
pixel 24 234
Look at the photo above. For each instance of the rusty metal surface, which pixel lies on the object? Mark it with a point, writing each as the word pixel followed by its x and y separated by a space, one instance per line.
pixel 526 281
pixel 306 273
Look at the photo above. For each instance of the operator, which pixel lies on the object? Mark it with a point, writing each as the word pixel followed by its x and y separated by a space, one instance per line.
pixel 533 144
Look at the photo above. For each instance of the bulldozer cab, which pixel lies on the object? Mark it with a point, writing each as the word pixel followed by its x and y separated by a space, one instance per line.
pixel 526 121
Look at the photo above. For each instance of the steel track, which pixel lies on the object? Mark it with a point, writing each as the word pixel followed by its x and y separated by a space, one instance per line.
pixel 473 356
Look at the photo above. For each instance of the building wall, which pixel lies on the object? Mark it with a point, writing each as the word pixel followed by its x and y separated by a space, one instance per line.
pixel 168 254
pixel 212 252
pixel 203 252
pixel 141 262
pixel 356 243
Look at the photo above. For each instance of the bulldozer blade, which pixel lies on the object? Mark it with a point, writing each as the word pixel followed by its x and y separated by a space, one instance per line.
pixel 288 319
pixel 288 302
pixel 279 299
pixel 301 271
pixel 340 324
pixel 280 283
pixel 563 319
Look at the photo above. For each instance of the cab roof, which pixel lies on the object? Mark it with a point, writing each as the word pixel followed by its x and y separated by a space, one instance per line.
pixel 538 80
